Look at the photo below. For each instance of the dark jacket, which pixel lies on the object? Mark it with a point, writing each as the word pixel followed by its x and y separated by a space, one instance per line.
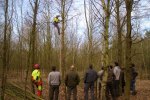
pixel 90 76
pixel 110 77
pixel 72 79
pixel 134 74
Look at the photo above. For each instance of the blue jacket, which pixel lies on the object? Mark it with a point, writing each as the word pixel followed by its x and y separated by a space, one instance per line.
pixel 90 76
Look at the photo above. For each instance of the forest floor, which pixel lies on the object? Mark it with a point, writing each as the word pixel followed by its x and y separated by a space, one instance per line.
pixel 142 87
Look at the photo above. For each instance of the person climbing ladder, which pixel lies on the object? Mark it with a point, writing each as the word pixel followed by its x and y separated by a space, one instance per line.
pixel 55 23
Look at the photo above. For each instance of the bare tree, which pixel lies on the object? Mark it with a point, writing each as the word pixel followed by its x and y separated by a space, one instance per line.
pixel 5 50
pixel 32 46
pixel 128 39
pixel 107 11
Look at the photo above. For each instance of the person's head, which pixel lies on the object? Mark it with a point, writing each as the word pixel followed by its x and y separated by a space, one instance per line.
pixel 72 67
pixel 57 16
pixel 90 66
pixel 116 63
pixel 36 66
pixel 132 65
pixel 102 68
pixel 110 66
pixel 53 68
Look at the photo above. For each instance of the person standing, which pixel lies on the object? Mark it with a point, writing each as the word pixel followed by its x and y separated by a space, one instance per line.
pixel 122 79
pixel 89 79
pixel 36 79
pixel 116 72
pixel 134 74
pixel 100 76
pixel 54 81
pixel 109 84
pixel 71 81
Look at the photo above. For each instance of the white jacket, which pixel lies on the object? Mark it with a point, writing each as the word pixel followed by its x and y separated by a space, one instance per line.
pixel 117 72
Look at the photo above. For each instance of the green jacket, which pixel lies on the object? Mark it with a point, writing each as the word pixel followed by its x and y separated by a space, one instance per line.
pixel 72 79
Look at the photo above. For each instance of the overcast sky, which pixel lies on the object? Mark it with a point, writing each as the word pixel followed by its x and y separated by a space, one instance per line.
pixel 78 8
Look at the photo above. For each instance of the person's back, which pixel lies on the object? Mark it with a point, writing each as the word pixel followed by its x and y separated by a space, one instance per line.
pixel 54 80
pixel 35 75
pixel 91 76
pixel 89 79
pixel 134 74
pixel 110 75
pixel 109 84
pixel 56 19
pixel 55 23
pixel 72 78
pixel 71 81
pixel 100 78
pixel 116 72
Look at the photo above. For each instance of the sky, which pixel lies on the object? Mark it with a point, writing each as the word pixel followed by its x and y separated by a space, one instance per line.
pixel 143 9
pixel 144 21
pixel 78 8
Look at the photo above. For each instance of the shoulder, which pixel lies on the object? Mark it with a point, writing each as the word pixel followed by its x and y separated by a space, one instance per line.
pixel 57 72
pixel 49 74
pixel 100 71
pixel 115 67
pixel 35 71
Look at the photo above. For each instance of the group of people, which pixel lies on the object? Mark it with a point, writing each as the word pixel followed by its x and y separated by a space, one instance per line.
pixel 115 79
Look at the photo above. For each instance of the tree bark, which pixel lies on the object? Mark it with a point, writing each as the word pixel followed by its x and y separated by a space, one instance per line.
pixel 62 46
pixel 32 45
pixel 119 32
pixel 128 40
pixel 106 8
pixel 5 51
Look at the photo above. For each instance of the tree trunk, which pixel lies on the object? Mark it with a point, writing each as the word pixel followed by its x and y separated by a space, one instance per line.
pixel 128 49
pixel 5 51
pixel 62 46
pixel 106 8
pixel 119 32
pixel 119 44
pixel 32 45
pixel 89 25
pixel 49 44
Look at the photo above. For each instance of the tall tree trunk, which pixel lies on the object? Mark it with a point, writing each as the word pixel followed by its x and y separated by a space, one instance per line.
pixel 128 49
pixel 119 44
pixel 143 58
pixel 119 32
pixel 32 45
pixel 62 46
pixel 5 51
pixel 106 8
pixel 33 38
pixel 89 25
pixel 49 44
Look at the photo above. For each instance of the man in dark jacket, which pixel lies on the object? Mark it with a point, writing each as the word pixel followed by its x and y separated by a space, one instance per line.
pixel 89 79
pixel 134 74
pixel 71 81
pixel 109 84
